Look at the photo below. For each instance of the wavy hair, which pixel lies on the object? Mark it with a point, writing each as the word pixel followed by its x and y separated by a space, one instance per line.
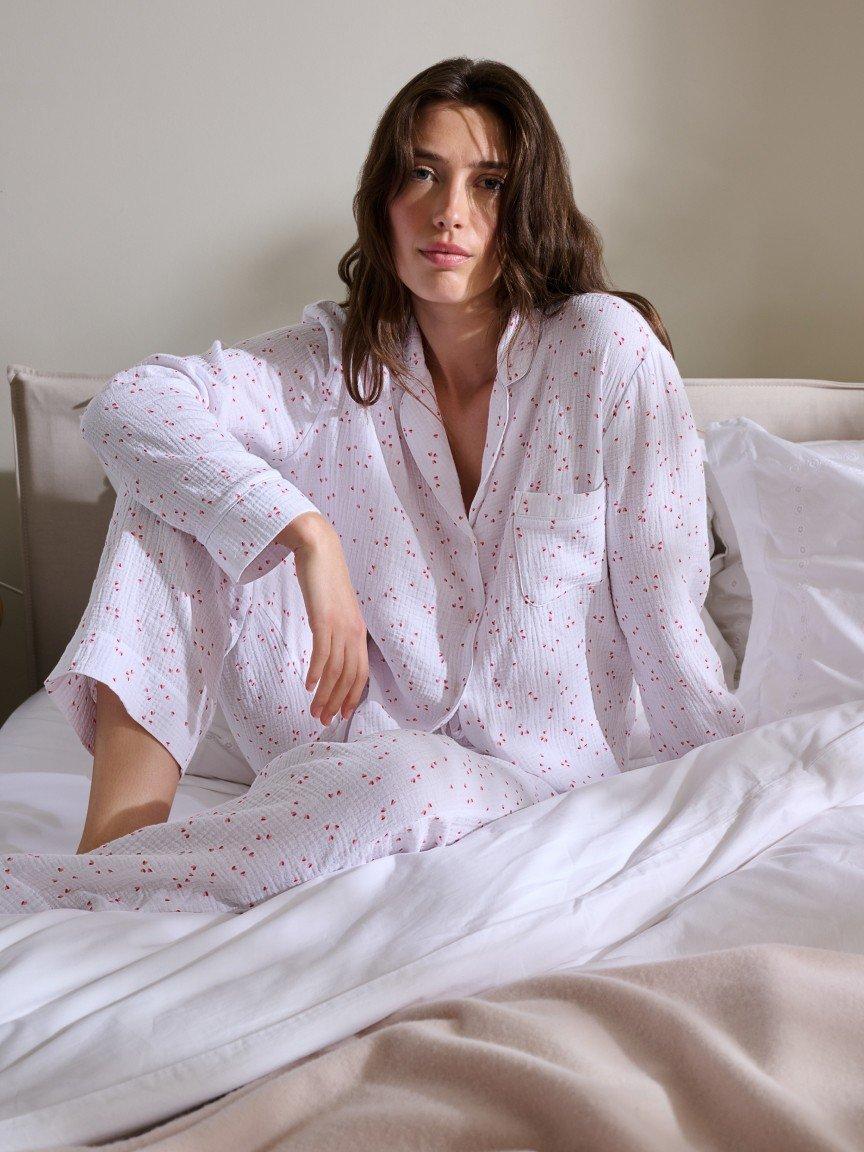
pixel 547 249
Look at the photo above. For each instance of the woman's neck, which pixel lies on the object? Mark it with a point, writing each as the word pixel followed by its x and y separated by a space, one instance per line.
pixel 460 349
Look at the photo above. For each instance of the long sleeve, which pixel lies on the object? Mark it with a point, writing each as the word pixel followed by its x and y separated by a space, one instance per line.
pixel 658 558
pixel 199 440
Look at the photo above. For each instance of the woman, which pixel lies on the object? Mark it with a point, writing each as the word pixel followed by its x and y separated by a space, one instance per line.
pixel 485 466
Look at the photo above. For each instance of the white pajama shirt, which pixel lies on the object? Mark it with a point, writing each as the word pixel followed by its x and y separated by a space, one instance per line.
pixel 516 631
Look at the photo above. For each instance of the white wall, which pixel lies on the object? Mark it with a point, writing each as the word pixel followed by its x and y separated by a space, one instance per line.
pixel 174 173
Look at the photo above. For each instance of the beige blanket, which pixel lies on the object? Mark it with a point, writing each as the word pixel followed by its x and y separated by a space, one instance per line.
pixel 749 1048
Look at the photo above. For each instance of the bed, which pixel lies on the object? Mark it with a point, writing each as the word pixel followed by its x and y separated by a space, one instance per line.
pixel 671 958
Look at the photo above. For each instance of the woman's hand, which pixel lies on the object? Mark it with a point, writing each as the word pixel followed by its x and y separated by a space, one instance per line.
pixel 340 659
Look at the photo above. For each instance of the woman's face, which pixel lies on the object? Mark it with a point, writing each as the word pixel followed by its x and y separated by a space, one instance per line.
pixel 451 197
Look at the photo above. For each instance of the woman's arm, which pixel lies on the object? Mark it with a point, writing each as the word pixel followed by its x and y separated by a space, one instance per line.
pixel 201 441
pixel 195 439
pixel 659 558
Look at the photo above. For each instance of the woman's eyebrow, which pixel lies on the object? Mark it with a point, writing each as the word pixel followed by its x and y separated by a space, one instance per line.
pixel 498 165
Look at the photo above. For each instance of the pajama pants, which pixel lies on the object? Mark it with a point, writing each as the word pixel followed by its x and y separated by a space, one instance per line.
pixel 171 634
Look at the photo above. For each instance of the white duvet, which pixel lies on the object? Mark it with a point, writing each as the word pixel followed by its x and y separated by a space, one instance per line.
pixel 113 1021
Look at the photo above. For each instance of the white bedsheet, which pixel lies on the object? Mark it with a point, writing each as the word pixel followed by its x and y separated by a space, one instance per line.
pixel 113 1021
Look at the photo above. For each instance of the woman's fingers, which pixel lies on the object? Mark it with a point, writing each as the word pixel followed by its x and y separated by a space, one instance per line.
pixel 353 697
pixel 321 638
pixel 332 671
pixel 343 684
pixel 339 663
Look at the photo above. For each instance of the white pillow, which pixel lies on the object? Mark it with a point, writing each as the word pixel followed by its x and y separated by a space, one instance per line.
pixel 729 599
pixel 793 515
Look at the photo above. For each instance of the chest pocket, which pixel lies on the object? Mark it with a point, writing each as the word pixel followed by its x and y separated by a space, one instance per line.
pixel 560 541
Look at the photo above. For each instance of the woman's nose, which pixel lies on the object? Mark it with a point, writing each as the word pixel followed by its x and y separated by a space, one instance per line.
pixel 452 204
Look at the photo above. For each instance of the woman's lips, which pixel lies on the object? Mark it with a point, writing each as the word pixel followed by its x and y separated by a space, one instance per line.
pixel 444 259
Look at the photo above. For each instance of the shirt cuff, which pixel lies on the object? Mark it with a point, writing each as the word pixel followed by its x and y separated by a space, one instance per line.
pixel 243 541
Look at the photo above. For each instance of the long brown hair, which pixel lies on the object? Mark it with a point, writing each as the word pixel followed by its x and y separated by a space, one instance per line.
pixel 547 249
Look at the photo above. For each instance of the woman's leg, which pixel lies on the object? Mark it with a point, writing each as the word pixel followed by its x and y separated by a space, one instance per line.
pixel 317 809
pixel 160 619
pixel 134 777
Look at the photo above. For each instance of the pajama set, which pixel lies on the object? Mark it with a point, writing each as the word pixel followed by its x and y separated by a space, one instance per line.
pixel 503 644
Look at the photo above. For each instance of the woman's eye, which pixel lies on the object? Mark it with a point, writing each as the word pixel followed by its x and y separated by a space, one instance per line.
pixel 494 179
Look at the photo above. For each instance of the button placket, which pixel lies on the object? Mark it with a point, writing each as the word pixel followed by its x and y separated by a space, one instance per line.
pixel 453 714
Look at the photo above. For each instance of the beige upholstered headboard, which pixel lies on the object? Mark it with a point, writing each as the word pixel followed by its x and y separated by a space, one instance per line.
pixel 66 501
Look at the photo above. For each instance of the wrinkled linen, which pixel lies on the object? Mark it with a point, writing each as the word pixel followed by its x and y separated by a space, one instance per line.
pixel 755 1048
pixel 114 1021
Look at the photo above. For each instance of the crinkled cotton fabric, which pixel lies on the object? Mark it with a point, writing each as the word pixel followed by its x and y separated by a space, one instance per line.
pixel 516 629
pixel 583 559
pixel 318 809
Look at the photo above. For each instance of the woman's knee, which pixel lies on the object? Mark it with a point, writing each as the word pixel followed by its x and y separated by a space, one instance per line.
pixel 159 621
pixel 416 788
